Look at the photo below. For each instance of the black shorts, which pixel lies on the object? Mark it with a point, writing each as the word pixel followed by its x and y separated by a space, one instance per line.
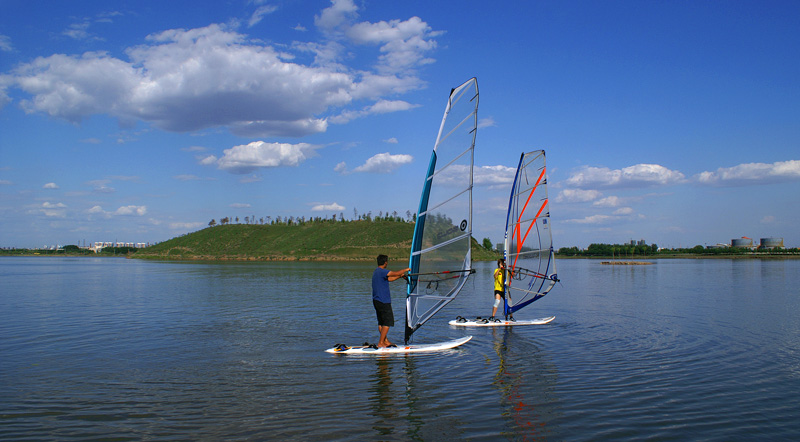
pixel 384 313
pixel 499 292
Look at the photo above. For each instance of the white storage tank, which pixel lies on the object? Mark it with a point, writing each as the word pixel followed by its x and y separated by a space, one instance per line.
pixel 742 242
pixel 771 243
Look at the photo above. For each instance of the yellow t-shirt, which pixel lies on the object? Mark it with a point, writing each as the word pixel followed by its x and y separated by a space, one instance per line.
pixel 498 279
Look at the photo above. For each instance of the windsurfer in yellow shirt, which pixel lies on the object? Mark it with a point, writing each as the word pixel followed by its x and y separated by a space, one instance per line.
pixel 499 288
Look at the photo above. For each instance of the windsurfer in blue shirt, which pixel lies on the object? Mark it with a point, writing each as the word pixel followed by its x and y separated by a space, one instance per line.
pixel 382 297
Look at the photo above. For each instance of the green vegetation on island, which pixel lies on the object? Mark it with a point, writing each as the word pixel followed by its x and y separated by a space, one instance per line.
pixel 628 251
pixel 322 240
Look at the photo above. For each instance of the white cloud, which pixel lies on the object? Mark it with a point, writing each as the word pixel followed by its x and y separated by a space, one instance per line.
pixel 382 163
pixel 486 122
pixel 336 15
pixel 131 210
pixel 752 173
pixel 185 226
pixel 98 210
pixel 194 149
pixel 5 43
pixel 381 107
pixel 122 211
pixel 186 80
pixel 633 176
pixel 240 206
pixel 493 175
pixel 594 219
pixel 609 201
pixel 125 177
pixel 259 14
pixel 254 178
pixel 247 157
pixel 489 176
pixel 333 207
pixel 50 186
pixel 769 219
pixel 101 186
pixel 341 167
pixel 77 31
pixel 187 177
pixel 207 161
pixel 54 210
pixel 404 43
pixel 623 211
pixel 577 196
pixel 6 182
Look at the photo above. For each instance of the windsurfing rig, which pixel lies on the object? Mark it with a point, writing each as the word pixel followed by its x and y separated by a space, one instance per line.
pixel 529 253
pixel 441 256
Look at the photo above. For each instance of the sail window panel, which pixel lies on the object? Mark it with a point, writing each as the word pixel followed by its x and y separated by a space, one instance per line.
pixel 455 147
pixel 442 226
pixel 445 258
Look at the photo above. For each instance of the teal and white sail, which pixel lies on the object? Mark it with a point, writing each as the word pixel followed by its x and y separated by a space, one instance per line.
pixel 441 259
pixel 529 255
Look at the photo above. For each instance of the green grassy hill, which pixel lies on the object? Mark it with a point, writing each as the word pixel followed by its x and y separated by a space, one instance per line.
pixel 323 241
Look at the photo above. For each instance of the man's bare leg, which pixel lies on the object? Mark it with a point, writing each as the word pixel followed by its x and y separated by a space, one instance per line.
pixel 384 331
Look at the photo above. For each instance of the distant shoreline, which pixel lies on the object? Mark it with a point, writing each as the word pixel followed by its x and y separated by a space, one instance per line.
pixel 688 256
pixel 604 259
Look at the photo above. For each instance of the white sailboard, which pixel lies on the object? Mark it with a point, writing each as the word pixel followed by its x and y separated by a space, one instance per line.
pixel 411 348
pixel 529 254
pixel 486 322
pixel 441 255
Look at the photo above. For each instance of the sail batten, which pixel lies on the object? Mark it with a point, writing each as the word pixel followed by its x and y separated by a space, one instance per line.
pixel 441 258
pixel 529 249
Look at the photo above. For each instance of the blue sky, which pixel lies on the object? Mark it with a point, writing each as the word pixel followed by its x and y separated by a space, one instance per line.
pixel 674 122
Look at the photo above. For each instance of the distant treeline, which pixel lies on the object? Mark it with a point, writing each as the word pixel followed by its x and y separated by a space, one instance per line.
pixel 627 250
pixel 302 220
pixel 68 250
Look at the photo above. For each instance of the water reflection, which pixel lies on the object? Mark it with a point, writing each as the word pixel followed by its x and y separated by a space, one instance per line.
pixel 393 394
pixel 681 350
pixel 383 399
pixel 526 381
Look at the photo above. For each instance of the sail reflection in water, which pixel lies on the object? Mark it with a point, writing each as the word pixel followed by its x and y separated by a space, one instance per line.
pixel 526 381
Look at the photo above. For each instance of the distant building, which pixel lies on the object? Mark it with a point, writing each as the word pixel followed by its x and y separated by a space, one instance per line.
pixel 771 243
pixel 97 247
pixel 744 242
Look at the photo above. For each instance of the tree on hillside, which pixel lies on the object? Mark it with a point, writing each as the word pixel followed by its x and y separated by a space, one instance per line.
pixel 212 223
pixel 487 244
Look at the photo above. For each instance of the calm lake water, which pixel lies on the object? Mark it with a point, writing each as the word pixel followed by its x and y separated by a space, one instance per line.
pixel 105 348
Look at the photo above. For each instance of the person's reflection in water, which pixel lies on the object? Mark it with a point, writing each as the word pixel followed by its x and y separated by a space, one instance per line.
pixel 383 398
pixel 525 421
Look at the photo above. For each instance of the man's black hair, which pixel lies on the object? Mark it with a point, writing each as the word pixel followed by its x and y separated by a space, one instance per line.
pixel 382 259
